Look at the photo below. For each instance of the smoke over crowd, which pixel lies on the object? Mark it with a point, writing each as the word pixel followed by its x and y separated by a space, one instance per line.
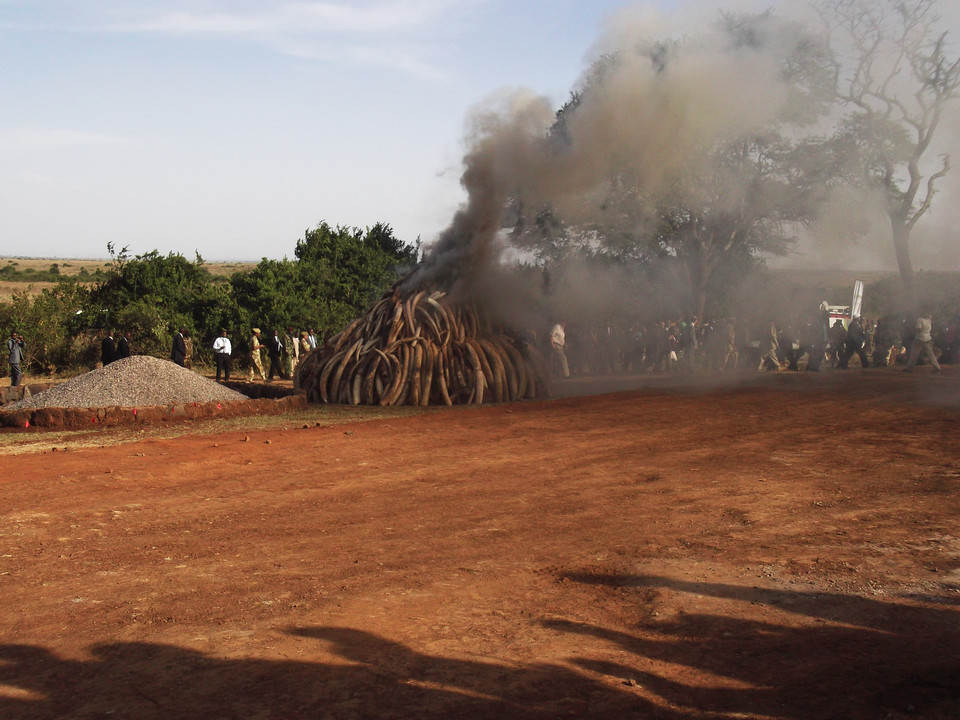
pixel 639 134
pixel 649 197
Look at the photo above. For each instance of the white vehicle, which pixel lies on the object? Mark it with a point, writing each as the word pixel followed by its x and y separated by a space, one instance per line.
pixel 843 313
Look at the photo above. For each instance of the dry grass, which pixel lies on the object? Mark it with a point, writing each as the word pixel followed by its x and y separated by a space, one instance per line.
pixel 70 267
pixel 67 266
pixel 9 289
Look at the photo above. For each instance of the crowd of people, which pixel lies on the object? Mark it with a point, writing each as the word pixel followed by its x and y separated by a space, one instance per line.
pixel 662 346
pixel 691 345
pixel 284 352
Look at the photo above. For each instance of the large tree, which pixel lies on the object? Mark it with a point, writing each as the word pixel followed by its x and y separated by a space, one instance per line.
pixel 337 272
pixel 748 197
pixel 152 295
pixel 893 73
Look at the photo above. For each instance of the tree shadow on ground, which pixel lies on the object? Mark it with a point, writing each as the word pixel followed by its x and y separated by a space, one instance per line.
pixel 846 657
pixel 371 678
pixel 856 658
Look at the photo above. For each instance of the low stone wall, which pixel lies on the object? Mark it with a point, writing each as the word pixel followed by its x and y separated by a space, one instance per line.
pixel 256 391
pixel 77 418
pixel 16 394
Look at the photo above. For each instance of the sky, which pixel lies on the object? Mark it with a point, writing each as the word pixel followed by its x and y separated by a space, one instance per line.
pixel 230 127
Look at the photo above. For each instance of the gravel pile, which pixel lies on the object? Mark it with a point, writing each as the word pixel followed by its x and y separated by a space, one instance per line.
pixel 136 381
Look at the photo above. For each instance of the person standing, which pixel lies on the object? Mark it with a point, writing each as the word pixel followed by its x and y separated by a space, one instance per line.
pixel 15 347
pixel 292 342
pixel 275 353
pixel 689 342
pixel 222 350
pixel 731 355
pixel 123 345
pixel 108 349
pixel 305 350
pixel 558 341
pixel 256 356
pixel 178 353
pixel 188 344
pixel 922 341
pixel 312 339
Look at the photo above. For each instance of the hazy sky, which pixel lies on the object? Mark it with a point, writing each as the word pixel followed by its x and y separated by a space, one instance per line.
pixel 231 126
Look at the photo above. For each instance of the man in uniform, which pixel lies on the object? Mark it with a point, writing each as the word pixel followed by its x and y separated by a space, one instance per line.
pixel 558 341
pixel 292 342
pixel 256 360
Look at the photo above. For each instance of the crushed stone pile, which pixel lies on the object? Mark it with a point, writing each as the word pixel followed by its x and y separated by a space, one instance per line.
pixel 136 381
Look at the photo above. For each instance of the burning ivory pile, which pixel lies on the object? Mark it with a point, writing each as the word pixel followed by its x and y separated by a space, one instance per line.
pixel 420 349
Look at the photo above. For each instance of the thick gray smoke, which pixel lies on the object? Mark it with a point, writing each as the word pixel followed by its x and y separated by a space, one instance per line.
pixel 645 126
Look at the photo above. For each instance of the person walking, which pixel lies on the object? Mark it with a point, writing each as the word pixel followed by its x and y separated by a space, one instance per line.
pixel 305 350
pixel 178 353
pixel 222 351
pixel 15 347
pixel 771 356
pixel 188 345
pixel 275 352
pixel 292 347
pixel 123 345
pixel 837 340
pixel 558 341
pixel 256 356
pixel 922 342
pixel 108 349
pixel 854 345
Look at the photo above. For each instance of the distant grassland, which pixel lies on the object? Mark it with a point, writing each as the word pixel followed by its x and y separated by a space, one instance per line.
pixel 33 275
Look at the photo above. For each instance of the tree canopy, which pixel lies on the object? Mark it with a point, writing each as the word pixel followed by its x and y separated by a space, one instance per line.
pixel 895 79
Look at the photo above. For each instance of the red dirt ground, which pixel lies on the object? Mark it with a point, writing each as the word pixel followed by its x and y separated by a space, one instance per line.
pixel 785 549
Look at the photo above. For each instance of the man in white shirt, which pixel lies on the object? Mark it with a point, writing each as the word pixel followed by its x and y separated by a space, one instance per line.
pixel 923 340
pixel 222 351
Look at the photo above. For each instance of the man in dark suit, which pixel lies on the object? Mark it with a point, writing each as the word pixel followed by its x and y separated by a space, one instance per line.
pixel 275 351
pixel 108 350
pixel 123 346
pixel 179 352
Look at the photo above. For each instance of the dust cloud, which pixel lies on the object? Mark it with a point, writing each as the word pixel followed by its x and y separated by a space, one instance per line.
pixel 623 149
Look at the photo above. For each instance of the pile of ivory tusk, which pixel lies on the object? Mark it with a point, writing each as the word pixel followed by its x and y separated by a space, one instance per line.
pixel 419 349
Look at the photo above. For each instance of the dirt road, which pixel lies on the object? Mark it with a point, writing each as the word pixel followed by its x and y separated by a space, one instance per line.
pixel 789 549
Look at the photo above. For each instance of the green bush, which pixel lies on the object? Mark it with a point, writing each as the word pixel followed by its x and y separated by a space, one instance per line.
pixel 337 273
